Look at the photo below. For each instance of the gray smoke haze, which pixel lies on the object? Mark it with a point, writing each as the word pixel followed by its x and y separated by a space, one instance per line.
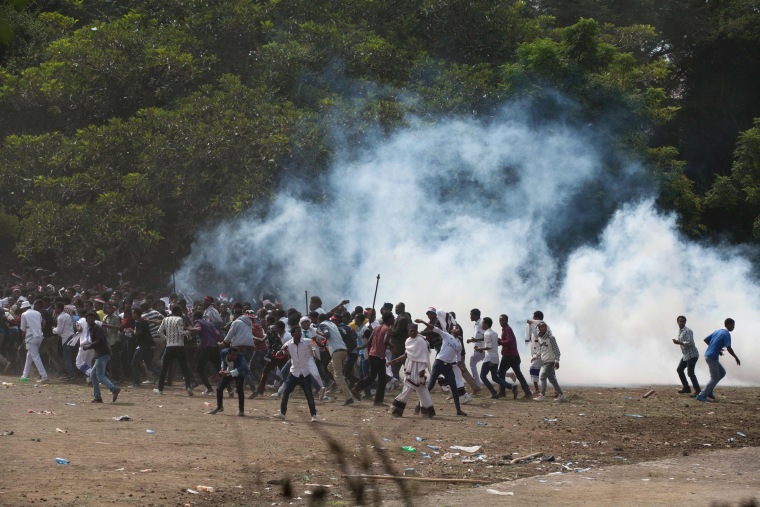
pixel 500 216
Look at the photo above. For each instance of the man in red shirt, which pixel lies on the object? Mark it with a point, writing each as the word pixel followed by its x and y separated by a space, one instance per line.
pixel 377 343
pixel 510 357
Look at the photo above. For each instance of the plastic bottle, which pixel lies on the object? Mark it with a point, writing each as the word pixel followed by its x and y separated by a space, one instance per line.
pixel 419 439
pixel 62 461
pixel 150 432
pixel 409 448
pixel 209 489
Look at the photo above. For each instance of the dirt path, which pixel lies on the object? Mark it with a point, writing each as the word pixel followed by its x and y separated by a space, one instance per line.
pixel 248 459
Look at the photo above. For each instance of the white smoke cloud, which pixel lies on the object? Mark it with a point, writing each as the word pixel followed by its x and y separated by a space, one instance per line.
pixel 463 214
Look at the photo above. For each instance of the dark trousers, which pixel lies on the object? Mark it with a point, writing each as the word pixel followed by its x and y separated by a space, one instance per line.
pixel 248 355
pixel 689 367
pixel 290 383
pixel 257 363
pixel 114 365
pixel 270 364
pixel 140 357
pixel 225 381
pixel 513 362
pixel 129 345
pixel 493 369
pixel 377 371
pixel 349 368
pixel 207 355
pixel 445 369
pixel 172 354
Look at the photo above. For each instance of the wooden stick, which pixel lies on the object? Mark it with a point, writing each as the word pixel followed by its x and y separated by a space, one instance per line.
pixel 529 456
pixel 412 478
pixel 648 394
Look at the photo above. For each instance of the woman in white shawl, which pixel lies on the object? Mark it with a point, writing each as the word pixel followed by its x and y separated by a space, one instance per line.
pixel 416 364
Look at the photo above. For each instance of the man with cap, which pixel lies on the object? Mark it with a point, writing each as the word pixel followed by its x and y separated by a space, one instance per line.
pixel 31 332
pixel 416 358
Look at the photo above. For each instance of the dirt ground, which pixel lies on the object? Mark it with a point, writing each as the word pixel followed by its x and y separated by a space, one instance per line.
pixel 594 452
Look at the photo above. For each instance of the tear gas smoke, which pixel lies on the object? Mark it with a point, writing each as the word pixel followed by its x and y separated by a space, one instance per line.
pixel 506 216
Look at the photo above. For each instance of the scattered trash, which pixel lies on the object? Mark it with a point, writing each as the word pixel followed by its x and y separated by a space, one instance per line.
pixel 419 439
pixel 488 415
pixel 472 449
pixel 103 443
pixel 629 398
pixel 707 445
pixel 62 461
pixel 646 480
pixel 479 423
pixel 545 459
pixel 41 412
pixel 409 448
pixel 24 380
pixel 425 455
pixel 581 470
pixel 475 458
pixel 618 457
pixel 207 403
pixel 547 420
pixel 122 418
pixel 150 431
pixel 635 416
pixel 147 470
pixel 7 384
pixel 526 458
pixel 59 430
pixel 410 472
pixel 554 473
pixel 208 489
pixel 649 393
pixel 582 415
pixel 386 439
pixel 119 469
pixel 497 492
pixel 738 433
pixel 450 455
pixel 72 404
pixel 36 440
pixel 192 491
pixel 434 447
pixel 6 433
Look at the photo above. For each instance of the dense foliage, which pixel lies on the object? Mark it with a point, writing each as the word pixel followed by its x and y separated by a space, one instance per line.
pixel 127 125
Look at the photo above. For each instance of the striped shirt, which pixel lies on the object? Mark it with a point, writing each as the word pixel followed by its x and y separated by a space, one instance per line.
pixel 688 347
pixel 153 315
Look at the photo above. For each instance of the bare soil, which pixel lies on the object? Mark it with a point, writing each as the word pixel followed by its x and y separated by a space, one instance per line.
pixel 604 456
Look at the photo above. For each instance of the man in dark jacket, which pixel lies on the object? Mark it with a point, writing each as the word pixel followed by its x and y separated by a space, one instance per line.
pixel 99 344
pixel 234 367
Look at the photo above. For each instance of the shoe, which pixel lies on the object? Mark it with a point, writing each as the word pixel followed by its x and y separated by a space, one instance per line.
pixel 700 398
pixel 495 396
pixel 321 395
pixel 379 404
pixel 514 392
pixel 97 400
pixel 463 414
pixel 134 386
pixel 253 395
pixel 527 396
pixel 215 410
pixel 190 392
pixel 42 379
pixel 115 395
pixel 561 397
pixel 464 400
pixel 276 395
pixel 355 394
pixel 711 396
pixel 539 397
pixel 313 418
pixel 208 391
pixel 241 413
pixel 279 415
pixel 349 401
pixel 150 381
pixel 156 391
pixel 684 391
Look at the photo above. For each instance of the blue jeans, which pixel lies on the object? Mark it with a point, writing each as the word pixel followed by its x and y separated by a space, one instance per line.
pixel 492 368
pixel 290 383
pixel 69 354
pixel 717 372
pixel 99 375
pixel 248 355
pixel 445 369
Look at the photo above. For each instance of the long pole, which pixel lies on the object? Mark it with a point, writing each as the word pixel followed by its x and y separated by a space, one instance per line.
pixel 306 300
pixel 375 296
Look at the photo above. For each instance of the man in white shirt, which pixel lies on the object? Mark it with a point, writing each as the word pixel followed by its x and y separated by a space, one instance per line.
pixel 477 339
pixel 172 329
pixel 31 331
pixel 300 357
pixel 490 348
pixel 65 330
pixel 450 352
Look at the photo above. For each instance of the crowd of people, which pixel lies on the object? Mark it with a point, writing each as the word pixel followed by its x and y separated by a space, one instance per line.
pixel 111 337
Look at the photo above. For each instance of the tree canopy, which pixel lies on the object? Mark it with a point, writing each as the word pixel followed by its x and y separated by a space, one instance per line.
pixel 126 126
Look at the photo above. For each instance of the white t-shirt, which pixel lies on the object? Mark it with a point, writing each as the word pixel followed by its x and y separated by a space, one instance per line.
pixel 491 341
pixel 31 324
